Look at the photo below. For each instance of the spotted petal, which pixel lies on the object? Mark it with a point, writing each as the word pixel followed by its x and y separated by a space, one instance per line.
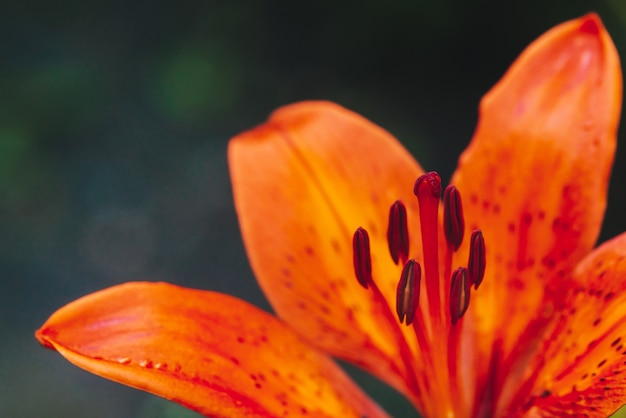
pixel 210 352
pixel 535 178
pixel 580 367
pixel 303 183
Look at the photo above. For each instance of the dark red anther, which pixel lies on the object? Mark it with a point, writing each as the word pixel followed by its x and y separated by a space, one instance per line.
pixel 459 294
pixel 477 260
pixel 429 182
pixel 453 222
pixel 398 232
pixel 408 292
pixel 362 257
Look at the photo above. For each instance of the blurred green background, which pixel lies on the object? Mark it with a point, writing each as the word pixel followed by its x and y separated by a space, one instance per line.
pixel 114 121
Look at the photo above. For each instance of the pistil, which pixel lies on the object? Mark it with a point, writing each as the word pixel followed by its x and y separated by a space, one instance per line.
pixel 428 191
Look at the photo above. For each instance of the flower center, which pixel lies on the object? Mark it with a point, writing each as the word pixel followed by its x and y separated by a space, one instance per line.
pixel 437 324
pixel 428 192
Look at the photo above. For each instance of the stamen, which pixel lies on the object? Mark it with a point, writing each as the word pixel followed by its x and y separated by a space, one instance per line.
pixel 477 259
pixel 408 292
pixel 361 257
pixel 398 233
pixel 453 222
pixel 363 270
pixel 459 294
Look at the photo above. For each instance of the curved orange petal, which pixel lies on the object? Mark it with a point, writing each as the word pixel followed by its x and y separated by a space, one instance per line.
pixel 210 352
pixel 580 368
pixel 535 176
pixel 303 182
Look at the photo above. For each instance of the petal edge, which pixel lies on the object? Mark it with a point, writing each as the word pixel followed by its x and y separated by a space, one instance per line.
pixel 210 352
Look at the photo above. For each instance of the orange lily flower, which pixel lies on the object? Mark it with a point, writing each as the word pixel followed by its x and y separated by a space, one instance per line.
pixel 490 305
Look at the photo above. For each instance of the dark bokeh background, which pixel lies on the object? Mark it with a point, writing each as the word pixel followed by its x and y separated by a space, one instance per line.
pixel 114 121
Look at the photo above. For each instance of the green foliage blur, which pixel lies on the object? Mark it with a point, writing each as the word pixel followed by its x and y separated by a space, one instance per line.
pixel 114 121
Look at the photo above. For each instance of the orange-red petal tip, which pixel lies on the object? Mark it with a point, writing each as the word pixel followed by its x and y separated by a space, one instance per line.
pixel 40 335
pixel 591 24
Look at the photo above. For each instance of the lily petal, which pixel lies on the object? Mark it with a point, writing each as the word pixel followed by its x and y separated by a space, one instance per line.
pixel 211 352
pixel 535 176
pixel 303 183
pixel 581 365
